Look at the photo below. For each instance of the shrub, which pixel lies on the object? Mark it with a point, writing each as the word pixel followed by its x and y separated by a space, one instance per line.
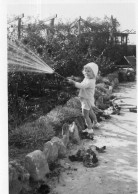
pixel 99 79
pixel 60 115
pixel 33 134
pixel 112 76
pixel 102 87
pixel 74 103
pixel 98 93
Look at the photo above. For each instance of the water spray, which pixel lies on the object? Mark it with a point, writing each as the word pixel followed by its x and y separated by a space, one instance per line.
pixel 21 58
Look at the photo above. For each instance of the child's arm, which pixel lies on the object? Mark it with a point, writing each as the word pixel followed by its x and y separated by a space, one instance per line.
pixel 71 81
pixel 81 85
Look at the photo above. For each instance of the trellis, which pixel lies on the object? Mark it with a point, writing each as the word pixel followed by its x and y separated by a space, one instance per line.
pixel 111 36
pixel 120 38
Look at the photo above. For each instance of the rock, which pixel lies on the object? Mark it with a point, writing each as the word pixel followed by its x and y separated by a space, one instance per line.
pixel 64 164
pixel 65 140
pixel 106 80
pixel 18 178
pixel 62 180
pixel 61 147
pixel 106 97
pixel 74 133
pixel 54 149
pixel 115 82
pixel 15 185
pixel 36 164
pixel 98 93
pixel 51 151
pixel 100 104
pixel 110 89
pixel 102 87
pixel 80 122
pixel 47 149
pixel 65 134
pixel 99 101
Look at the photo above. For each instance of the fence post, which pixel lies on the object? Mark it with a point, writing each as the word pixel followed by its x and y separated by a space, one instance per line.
pixel 79 30
pixel 49 31
pixel 19 25
pixel 19 28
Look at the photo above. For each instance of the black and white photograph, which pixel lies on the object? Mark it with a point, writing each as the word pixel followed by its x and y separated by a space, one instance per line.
pixel 68 97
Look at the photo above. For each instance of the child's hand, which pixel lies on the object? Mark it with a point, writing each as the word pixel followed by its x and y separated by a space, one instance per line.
pixel 71 81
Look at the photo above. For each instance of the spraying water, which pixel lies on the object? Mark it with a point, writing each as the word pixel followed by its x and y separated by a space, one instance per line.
pixel 20 58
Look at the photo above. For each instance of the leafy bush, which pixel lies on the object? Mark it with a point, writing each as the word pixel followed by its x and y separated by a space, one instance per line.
pixel 98 93
pixel 33 134
pixel 34 94
pixel 112 76
pixel 102 87
pixel 101 79
pixel 74 103
pixel 60 115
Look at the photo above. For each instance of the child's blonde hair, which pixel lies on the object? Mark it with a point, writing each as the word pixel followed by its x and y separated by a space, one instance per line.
pixel 92 73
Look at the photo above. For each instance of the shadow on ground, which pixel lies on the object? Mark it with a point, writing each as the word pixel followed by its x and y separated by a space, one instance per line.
pixel 117 169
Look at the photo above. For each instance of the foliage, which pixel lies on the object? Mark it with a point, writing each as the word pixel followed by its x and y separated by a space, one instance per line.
pixel 62 114
pixel 32 95
pixel 74 103
pixel 126 75
pixel 31 135
pixel 112 76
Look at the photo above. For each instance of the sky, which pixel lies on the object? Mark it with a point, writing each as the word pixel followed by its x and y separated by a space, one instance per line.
pixel 123 11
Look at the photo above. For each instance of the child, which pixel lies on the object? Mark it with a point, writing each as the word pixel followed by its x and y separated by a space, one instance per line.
pixel 86 95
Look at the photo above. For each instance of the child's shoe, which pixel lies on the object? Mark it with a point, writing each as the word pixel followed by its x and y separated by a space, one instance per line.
pixel 96 125
pixel 90 131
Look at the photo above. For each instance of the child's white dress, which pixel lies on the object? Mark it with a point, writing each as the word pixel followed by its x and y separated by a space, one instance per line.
pixel 86 93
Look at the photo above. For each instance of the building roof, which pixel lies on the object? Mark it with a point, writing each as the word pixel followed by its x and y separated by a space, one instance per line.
pixel 131 60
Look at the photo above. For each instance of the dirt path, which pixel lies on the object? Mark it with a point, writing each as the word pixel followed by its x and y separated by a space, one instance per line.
pixel 116 173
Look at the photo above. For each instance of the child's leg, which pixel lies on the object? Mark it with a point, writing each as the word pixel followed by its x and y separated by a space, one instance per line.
pixel 94 118
pixel 87 119
pixel 93 115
